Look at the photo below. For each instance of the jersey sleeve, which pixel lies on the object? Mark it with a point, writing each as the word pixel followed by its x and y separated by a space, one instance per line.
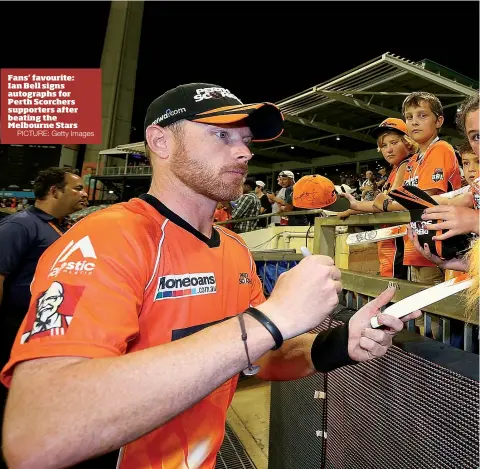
pixel 87 292
pixel 440 169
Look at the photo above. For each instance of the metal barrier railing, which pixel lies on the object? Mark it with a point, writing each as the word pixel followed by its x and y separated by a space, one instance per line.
pixel 318 212
pixel 360 288
pixel 126 171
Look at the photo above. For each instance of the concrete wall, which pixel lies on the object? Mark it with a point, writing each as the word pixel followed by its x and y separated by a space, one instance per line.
pixel 119 66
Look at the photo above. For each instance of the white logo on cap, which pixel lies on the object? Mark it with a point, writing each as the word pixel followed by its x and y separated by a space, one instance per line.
pixel 214 92
pixel 168 113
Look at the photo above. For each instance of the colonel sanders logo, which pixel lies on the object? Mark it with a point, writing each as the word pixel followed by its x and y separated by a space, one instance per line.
pixel 50 312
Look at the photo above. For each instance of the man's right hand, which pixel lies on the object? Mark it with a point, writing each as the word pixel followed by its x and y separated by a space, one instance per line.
pixel 304 296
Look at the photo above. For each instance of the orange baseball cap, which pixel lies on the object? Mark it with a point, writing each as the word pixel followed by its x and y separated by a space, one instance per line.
pixel 314 192
pixel 390 125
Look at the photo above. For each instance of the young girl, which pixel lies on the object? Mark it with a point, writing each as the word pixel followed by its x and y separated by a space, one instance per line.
pixel 395 146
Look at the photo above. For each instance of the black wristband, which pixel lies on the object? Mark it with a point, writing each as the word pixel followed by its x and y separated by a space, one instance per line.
pixel 385 205
pixel 269 325
pixel 330 349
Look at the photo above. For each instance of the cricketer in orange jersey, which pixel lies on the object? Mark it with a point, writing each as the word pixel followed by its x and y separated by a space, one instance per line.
pixel 142 373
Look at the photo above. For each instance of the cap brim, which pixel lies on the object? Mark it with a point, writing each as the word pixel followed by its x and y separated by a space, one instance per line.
pixel 264 119
pixel 382 130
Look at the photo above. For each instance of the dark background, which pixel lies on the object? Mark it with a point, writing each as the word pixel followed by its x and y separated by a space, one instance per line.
pixel 261 51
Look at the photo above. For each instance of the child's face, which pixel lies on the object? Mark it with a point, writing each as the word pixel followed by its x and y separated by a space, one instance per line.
pixel 472 130
pixel 392 147
pixel 470 167
pixel 422 123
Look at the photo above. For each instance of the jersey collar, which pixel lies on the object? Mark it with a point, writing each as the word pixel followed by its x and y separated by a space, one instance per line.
pixel 212 242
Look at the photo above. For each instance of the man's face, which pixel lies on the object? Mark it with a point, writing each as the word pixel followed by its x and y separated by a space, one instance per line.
pixel 472 129
pixel 369 175
pixel 422 123
pixel 258 190
pixel 285 181
pixel 73 196
pixel 470 167
pixel 212 160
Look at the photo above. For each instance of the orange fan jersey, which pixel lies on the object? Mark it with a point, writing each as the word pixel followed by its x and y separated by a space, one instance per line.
pixel 135 276
pixel 390 251
pixel 436 169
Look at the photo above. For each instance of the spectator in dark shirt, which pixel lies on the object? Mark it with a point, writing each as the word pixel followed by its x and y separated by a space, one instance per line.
pixel 293 220
pixel 382 179
pixel 266 206
pixel 24 236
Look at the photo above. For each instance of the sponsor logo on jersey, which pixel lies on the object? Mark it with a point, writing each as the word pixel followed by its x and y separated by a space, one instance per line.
pixel 54 310
pixel 244 279
pixel 411 182
pixel 180 286
pixel 437 175
pixel 79 266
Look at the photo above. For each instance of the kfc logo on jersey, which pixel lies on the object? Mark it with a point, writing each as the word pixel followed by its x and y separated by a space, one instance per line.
pixel 214 93
pixel 78 253
pixel 437 175
pixel 53 312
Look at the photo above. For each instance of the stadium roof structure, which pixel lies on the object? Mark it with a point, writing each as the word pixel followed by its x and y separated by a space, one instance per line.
pixel 336 117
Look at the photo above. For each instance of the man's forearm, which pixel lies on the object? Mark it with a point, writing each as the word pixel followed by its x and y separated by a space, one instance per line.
pixel 291 361
pixel 93 406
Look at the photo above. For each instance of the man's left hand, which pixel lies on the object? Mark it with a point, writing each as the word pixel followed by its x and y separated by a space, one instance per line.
pixel 364 342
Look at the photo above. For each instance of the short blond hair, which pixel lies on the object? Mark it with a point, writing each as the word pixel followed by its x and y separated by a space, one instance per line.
pixel 411 145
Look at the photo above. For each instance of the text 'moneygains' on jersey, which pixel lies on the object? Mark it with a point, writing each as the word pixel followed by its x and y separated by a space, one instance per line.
pixel 436 169
pixel 135 276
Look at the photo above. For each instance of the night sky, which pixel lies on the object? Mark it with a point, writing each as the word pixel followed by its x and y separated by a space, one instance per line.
pixel 261 51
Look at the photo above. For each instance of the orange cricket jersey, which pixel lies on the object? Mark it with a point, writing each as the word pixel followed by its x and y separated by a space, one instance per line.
pixel 134 276
pixel 391 251
pixel 436 169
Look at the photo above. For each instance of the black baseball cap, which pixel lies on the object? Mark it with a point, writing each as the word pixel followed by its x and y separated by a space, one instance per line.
pixel 416 201
pixel 212 104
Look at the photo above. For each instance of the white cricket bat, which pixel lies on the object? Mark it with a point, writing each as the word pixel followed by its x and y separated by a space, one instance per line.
pixel 424 298
pixel 374 236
